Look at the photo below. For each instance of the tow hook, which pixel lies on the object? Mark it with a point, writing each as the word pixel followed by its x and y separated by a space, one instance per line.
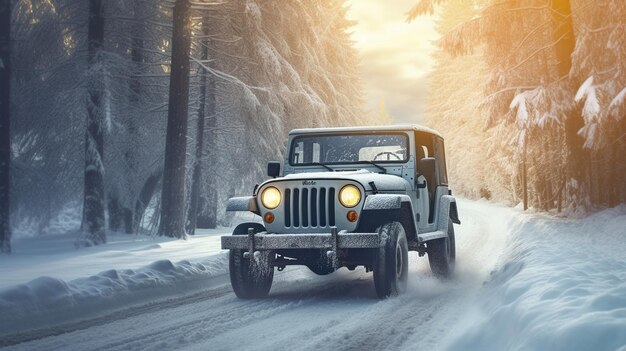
pixel 332 254
pixel 255 254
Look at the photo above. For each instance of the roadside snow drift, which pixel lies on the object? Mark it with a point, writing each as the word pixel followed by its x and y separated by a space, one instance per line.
pixel 53 284
pixel 563 288
pixel 47 300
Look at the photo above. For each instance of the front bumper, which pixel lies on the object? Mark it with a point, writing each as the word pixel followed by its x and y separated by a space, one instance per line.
pixel 331 241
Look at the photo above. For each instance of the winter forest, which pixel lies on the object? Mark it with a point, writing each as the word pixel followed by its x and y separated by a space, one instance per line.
pixel 127 114
pixel 530 97
pixel 140 116
pixel 312 175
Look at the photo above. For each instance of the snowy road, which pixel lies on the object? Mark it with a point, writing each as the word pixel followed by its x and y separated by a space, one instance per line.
pixel 305 310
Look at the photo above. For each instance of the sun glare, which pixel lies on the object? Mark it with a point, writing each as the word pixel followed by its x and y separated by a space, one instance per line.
pixel 395 56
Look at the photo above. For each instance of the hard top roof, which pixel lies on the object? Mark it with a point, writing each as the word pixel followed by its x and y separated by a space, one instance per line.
pixel 385 128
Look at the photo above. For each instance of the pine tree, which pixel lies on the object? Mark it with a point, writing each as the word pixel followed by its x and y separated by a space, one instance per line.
pixel 205 107
pixel 172 221
pixel 94 195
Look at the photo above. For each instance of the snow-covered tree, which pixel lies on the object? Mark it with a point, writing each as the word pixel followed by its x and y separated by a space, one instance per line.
pixel 536 54
pixel 476 169
pixel 94 193
pixel 272 73
pixel 599 62
pixel 138 60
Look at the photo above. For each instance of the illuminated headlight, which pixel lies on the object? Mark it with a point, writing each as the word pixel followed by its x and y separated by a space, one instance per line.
pixel 270 198
pixel 349 196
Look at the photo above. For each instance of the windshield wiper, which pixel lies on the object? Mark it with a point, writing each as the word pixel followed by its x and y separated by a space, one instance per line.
pixel 373 164
pixel 321 164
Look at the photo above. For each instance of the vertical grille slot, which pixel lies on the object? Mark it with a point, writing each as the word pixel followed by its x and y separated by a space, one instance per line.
pixel 287 210
pixel 322 205
pixel 296 207
pixel 305 207
pixel 313 207
pixel 331 207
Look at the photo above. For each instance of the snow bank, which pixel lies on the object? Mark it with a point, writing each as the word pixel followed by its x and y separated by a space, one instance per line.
pixel 47 282
pixel 46 300
pixel 56 255
pixel 563 288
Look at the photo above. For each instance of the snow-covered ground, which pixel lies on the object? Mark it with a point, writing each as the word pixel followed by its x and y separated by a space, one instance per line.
pixel 562 286
pixel 56 255
pixel 523 281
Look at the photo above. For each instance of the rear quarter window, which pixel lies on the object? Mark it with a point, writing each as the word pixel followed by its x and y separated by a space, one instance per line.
pixel 441 162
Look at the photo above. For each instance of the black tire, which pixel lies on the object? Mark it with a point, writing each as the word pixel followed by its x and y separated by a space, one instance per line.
pixel 442 254
pixel 249 280
pixel 391 263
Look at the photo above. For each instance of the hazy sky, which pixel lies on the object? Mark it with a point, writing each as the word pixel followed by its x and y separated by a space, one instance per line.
pixel 395 55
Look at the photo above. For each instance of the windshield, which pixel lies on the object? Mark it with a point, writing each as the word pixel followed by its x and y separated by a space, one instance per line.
pixel 349 148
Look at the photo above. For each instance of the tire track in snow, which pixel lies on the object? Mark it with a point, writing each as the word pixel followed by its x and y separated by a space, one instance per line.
pixel 237 315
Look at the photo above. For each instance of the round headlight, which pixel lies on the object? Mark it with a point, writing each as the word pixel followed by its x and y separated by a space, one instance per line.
pixel 270 198
pixel 349 196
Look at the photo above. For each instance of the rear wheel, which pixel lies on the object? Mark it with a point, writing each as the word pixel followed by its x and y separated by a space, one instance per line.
pixel 251 277
pixel 391 264
pixel 442 254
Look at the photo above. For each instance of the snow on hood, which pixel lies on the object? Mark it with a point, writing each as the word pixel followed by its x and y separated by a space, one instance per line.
pixel 384 182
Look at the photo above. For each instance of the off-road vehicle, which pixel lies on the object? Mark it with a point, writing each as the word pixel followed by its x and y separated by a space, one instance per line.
pixel 348 197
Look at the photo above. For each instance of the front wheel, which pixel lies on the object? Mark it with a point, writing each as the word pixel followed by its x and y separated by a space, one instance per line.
pixel 442 254
pixel 391 263
pixel 251 277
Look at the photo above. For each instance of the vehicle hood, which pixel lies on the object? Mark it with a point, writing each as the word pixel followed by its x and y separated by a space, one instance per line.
pixel 383 182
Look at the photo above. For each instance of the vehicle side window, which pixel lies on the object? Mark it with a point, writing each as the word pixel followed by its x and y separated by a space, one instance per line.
pixel 424 147
pixel 441 162
pixel 424 151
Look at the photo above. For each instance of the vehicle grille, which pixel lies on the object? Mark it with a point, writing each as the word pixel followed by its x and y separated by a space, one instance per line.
pixel 309 207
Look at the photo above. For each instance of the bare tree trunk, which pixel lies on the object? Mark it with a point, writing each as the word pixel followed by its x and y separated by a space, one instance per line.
pixel 121 215
pixel 564 33
pixel 94 197
pixel 145 195
pixel 5 124
pixel 525 179
pixel 206 83
pixel 578 156
pixel 210 202
pixel 136 51
pixel 115 212
pixel 173 194
pixel 614 177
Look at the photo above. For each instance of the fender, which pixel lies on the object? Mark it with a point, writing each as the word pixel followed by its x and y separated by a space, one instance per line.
pixel 385 202
pixel 243 203
pixel 381 208
pixel 447 212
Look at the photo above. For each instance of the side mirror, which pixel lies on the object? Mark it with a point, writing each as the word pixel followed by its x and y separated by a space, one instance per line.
pixel 273 169
pixel 427 167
